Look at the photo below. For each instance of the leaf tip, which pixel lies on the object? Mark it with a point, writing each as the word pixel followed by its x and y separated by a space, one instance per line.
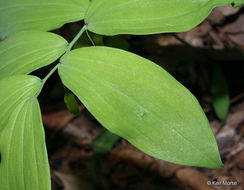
pixel 221 165
pixel 218 164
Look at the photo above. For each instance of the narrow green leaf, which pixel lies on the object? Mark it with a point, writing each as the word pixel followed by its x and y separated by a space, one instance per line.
pixel 27 51
pixel 139 101
pixel 71 103
pixel 110 17
pixel 220 93
pixel 24 164
pixel 101 146
pixel 44 15
pixel 104 142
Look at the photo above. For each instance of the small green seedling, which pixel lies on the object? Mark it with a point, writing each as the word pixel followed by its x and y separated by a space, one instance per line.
pixel 129 95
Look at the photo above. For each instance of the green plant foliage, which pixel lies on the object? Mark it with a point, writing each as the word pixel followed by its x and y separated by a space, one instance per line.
pixel 27 51
pixel 238 3
pixel 24 163
pixel 220 93
pixel 101 146
pixel 111 17
pixel 139 101
pixel 83 41
pixel 71 103
pixel 104 142
pixel 131 96
pixel 44 15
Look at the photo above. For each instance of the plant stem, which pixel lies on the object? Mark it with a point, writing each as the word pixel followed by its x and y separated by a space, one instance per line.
pixel 90 38
pixel 46 78
pixel 71 44
pixel 50 73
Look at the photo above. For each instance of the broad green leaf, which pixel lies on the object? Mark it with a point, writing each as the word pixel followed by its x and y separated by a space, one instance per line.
pixel 110 17
pixel 27 51
pixel 24 164
pixel 44 15
pixel 71 103
pixel 220 93
pixel 14 91
pixel 139 101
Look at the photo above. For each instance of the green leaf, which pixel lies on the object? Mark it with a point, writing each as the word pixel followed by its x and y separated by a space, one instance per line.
pixel 101 146
pixel 44 15
pixel 14 91
pixel 27 51
pixel 24 164
pixel 71 103
pixel 139 101
pixel 110 17
pixel 220 93
pixel 104 142
pixel 238 3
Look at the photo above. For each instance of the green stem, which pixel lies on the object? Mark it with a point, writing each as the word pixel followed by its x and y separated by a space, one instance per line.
pixel 46 78
pixel 70 46
pixel 72 43
pixel 50 73
pixel 90 38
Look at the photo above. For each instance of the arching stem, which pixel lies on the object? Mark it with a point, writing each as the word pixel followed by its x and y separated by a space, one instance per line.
pixel 70 46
